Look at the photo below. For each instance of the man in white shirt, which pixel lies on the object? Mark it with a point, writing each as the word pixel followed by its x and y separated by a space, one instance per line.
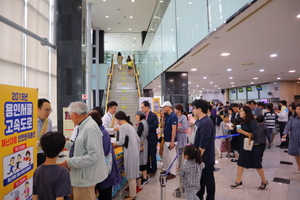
pixel 283 116
pixel 108 120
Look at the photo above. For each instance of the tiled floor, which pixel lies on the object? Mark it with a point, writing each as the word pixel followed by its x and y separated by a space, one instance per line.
pixel 288 187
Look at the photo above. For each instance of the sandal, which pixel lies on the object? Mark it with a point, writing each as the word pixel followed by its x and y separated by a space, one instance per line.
pixel 263 185
pixel 235 185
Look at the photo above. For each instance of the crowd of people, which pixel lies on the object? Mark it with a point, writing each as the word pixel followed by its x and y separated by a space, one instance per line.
pixel 92 166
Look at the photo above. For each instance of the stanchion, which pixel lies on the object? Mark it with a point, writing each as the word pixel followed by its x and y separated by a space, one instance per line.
pixel 163 181
pixel 179 192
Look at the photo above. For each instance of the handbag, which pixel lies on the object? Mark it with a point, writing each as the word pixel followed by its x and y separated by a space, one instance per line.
pixel 248 144
pixel 108 160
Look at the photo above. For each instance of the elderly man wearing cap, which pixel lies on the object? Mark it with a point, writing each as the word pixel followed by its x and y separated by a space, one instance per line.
pixel 171 122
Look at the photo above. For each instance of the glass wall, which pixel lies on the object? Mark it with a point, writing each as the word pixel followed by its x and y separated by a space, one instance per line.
pixel 176 27
pixel 23 60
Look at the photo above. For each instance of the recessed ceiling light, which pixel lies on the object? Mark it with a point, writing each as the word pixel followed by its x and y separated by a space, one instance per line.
pixel 230 77
pixel 203 88
pixel 108 28
pixel 104 0
pixel 231 82
pixel 171 80
pixel 131 17
pixel 184 74
pixel 255 78
pixel 261 70
pixel 219 88
pixel 298 78
pixel 215 86
pixel 161 1
pixel 190 82
pixel 134 38
pixel 129 29
pixel 211 82
pixel 273 55
pixel 204 77
pixel 225 54
pixel 278 78
pixel 228 70
pixel 159 86
pixel 251 82
pixel 193 69
pixel 232 86
pixel 106 16
pixel 190 2
pixel 292 71
pixel 132 1
pixel 298 16
pixel 197 85
pixel 207 90
pixel 193 90
pixel 177 18
pixel 172 29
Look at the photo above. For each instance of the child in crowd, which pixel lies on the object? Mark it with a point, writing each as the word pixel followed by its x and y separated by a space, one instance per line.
pixel 51 181
pixel 262 134
pixel 235 141
pixel 191 172
pixel 226 126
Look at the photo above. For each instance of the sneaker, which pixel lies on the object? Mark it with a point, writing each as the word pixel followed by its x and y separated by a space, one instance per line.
pixel 138 189
pixel 145 181
pixel 234 160
pixel 170 176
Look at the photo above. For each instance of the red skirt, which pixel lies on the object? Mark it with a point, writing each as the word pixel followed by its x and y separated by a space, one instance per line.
pixel 225 146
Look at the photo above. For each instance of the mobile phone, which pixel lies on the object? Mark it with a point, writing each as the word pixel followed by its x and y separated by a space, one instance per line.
pixel 169 148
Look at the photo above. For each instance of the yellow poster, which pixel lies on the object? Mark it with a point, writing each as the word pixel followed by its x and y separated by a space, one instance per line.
pixel 156 106
pixel 18 124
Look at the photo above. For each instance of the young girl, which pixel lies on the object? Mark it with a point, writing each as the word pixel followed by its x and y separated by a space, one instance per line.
pixel 226 126
pixel 191 172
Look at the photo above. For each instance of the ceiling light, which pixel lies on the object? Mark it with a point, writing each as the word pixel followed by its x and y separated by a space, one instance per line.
pixel 108 28
pixel 232 86
pixel 190 82
pixel 203 88
pixel 161 1
pixel 190 2
pixel 207 90
pixel 104 0
pixel 230 77
pixel 193 70
pixel 204 77
pixel 215 86
pixel 273 55
pixel 278 78
pixel 193 90
pixel 225 54
pixel 255 78
pixel 229 70
pixel 172 29
pixel 251 82
pixel 184 74
pixel 106 16
pixel 211 82
pixel 231 82
pixel 219 88
pixel 298 78
pixel 298 16
pixel 134 38
pixel 132 1
pixel 171 80
pixel 159 86
pixel 131 17
pixel 129 29
pixel 292 71
pixel 197 85
pixel 177 18
pixel 261 70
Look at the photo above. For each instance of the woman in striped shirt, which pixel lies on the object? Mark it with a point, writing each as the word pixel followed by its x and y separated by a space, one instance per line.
pixel 292 128
pixel 270 117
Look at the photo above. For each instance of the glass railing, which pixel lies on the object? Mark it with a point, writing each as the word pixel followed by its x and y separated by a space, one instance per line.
pixel 106 94
pixel 177 26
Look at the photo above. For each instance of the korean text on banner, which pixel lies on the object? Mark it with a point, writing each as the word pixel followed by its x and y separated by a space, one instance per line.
pixel 18 124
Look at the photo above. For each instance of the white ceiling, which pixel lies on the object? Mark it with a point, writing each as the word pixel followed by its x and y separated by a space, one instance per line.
pixel 119 21
pixel 250 38
pixel 267 27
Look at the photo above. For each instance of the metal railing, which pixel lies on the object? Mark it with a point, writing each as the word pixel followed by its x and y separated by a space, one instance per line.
pixel 109 74
pixel 136 73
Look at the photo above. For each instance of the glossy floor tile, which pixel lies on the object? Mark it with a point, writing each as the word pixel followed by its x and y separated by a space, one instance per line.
pixel 278 166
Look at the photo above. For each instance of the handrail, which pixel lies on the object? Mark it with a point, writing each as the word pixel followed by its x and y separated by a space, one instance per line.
pixel 110 74
pixel 136 74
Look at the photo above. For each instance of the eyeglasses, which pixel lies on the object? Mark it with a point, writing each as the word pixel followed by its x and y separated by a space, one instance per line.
pixel 47 110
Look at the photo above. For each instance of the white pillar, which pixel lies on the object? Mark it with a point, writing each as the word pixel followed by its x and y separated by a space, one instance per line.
pixel 97 67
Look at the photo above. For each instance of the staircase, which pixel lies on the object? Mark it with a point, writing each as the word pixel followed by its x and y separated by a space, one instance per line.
pixel 124 92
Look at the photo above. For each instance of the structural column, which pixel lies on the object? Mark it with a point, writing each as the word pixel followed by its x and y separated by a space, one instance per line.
pixel 174 88
pixel 70 76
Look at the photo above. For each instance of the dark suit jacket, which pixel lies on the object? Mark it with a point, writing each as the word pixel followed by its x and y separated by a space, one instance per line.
pixel 153 125
pixel 213 119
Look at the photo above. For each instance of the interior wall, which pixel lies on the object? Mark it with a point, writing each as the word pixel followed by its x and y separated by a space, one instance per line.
pixel 288 90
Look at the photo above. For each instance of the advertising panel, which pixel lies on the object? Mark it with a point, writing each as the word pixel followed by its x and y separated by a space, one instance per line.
pixel 18 123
